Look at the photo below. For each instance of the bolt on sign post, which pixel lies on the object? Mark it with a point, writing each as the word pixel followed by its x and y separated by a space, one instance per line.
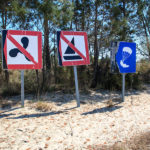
pixel 126 60
pixel 73 51
pixel 21 50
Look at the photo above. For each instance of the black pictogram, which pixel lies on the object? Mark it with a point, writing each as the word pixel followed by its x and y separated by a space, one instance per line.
pixel 13 52
pixel 71 51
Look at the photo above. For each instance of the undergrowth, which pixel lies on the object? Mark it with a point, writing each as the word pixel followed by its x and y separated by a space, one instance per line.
pixel 63 79
pixel 141 142
pixel 43 106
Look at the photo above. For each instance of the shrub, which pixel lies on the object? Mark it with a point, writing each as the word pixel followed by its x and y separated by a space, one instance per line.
pixel 30 81
pixel 143 69
pixel 43 106
pixel 141 142
pixel 107 80
pixel 11 90
pixel 133 81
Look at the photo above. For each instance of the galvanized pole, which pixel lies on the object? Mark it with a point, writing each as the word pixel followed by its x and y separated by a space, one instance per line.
pixel 123 86
pixel 76 84
pixel 22 88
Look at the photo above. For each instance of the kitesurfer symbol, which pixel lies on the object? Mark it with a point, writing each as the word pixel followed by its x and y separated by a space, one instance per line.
pixel 14 52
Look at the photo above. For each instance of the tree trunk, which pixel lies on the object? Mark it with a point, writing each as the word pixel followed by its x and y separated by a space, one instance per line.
pixel 55 61
pixel 124 35
pixel 82 76
pixel 46 44
pixel 4 20
pixel 46 56
pixel 146 34
pixel 96 54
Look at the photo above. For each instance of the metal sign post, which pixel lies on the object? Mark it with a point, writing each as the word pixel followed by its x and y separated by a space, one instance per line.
pixel 76 84
pixel 126 60
pixel 22 88
pixel 123 86
pixel 73 52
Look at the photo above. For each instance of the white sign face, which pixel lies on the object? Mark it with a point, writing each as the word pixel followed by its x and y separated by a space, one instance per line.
pixel 31 47
pixel 22 49
pixel 78 42
pixel 72 48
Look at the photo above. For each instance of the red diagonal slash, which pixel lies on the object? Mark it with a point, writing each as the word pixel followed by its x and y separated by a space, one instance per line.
pixel 24 51
pixel 72 46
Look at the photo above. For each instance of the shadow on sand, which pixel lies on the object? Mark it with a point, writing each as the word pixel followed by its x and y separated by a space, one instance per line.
pixel 38 115
pixel 102 110
pixel 2 115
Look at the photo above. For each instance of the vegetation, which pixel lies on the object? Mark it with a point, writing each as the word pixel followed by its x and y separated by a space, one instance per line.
pixel 43 106
pixel 104 21
pixel 136 143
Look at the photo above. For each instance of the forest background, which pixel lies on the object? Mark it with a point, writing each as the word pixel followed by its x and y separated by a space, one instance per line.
pixel 103 20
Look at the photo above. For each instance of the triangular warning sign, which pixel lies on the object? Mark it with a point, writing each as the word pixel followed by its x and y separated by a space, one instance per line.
pixel 69 51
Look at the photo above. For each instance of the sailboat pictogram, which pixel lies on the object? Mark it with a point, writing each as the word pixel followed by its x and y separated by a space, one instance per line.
pixel 70 51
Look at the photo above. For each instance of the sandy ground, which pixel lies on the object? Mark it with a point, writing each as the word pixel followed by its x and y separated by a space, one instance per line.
pixel 67 127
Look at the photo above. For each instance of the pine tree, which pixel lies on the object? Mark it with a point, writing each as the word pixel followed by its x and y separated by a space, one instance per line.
pixel 142 26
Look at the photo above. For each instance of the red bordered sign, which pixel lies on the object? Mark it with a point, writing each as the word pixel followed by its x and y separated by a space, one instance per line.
pixel 22 49
pixel 72 48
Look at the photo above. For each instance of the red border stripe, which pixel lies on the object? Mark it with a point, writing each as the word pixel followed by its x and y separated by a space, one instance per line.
pixel 72 46
pixel 21 49
pixel 86 60
pixel 36 65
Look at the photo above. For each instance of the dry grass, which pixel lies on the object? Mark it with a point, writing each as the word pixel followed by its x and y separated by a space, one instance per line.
pixel 143 66
pixel 7 104
pixel 141 142
pixel 44 106
pixel 112 102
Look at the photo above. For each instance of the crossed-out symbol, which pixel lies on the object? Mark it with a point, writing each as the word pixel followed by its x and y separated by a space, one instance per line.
pixel 14 52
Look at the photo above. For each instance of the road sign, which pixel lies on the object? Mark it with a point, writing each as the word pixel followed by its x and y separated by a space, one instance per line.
pixel 126 57
pixel 113 51
pixel 72 48
pixel 22 49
